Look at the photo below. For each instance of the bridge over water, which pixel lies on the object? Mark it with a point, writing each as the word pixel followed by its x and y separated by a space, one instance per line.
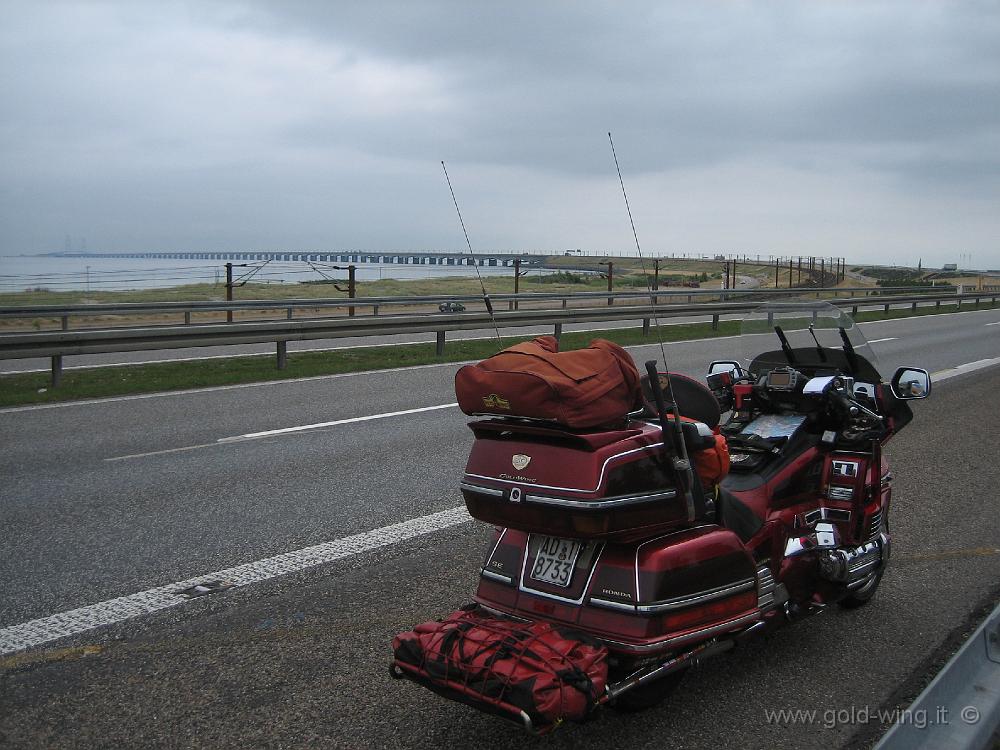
pixel 340 256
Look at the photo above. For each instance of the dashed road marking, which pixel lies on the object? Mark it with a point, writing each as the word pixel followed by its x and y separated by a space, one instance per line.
pixel 334 423
pixel 952 372
pixel 282 431
pixel 43 630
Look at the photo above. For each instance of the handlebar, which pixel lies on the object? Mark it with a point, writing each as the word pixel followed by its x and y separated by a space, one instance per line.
pixel 842 402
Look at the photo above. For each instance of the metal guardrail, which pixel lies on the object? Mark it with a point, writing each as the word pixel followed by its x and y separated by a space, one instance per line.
pixel 960 708
pixel 56 344
pixel 514 300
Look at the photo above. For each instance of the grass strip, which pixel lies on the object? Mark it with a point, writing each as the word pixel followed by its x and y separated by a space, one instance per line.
pixel 34 388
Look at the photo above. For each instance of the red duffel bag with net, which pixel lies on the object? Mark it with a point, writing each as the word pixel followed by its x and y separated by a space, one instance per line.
pixel 505 667
pixel 582 388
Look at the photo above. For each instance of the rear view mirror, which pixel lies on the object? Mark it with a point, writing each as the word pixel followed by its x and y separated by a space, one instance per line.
pixel 725 365
pixel 910 383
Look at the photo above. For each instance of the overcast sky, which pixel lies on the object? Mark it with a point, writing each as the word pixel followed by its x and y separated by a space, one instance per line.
pixel 869 130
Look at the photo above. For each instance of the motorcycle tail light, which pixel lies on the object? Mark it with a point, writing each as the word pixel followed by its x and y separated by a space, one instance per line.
pixel 712 612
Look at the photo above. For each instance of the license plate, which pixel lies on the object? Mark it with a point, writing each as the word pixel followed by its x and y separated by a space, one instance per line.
pixel 555 560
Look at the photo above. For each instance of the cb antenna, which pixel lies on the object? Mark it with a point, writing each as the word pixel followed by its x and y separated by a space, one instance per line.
pixel 681 462
pixel 486 297
pixel 642 261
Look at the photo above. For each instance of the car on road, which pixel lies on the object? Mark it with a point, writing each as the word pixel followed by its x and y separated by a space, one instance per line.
pixel 451 307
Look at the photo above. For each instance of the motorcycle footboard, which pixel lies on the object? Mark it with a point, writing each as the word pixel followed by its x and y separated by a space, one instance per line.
pixel 533 673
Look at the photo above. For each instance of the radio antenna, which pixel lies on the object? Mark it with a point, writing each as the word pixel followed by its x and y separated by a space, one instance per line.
pixel 486 297
pixel 642 260
pixel 682 463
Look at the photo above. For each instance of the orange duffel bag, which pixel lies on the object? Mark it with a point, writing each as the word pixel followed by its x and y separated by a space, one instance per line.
pixel 583 388
pixel 712 464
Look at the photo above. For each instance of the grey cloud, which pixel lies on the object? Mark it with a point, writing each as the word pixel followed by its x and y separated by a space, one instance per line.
pixel 253 119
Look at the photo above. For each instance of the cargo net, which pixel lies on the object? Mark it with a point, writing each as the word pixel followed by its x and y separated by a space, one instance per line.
pixel 534 673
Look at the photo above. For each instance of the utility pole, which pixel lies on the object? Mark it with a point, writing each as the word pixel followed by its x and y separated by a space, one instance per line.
pixel 609 276
pixel 351 287
pixel 776 262
pixel 517 282
pixel 822 273
pixel 790 272
pixel 656 274
pixel 229 291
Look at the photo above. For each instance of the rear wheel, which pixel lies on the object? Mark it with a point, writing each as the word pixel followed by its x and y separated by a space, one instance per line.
pixel 647 696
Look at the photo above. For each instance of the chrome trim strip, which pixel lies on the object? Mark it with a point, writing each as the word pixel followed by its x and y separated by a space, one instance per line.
pixel 679 639
pixel 828 514
pixel 497 576
pixel 840 493
pixel 600 477
pixel 765 586
pixel 600 504
pixel 497 545
pixel 479 488
pixel 565 599
pixel 705 596
pixel 612 605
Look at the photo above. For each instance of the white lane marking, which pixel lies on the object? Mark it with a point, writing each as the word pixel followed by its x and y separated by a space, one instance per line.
pixel 997 323
pixel 281 431
pixel 952 372
pixel 45 629
pixel 162 452
pixel 318 425
pixel 911 317
pixel 879 341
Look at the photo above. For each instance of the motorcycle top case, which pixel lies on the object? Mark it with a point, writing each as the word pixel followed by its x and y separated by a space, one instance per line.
pixel 584 388
pixel 617 484
pixel 506 667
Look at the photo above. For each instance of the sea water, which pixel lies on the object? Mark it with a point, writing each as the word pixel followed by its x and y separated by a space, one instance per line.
pixel 61 273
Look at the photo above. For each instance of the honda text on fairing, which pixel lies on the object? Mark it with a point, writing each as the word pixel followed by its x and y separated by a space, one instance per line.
pixel 632 547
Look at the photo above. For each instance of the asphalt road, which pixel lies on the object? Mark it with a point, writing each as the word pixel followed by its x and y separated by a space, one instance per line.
pixel 301 660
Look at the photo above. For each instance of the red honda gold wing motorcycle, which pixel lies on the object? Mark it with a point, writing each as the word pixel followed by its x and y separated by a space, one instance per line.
pixel 619 561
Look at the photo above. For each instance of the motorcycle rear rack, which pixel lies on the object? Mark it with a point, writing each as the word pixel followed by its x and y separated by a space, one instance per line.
pixel 457 692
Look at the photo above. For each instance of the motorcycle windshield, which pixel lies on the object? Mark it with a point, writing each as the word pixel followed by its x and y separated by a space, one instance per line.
pixel 815 333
